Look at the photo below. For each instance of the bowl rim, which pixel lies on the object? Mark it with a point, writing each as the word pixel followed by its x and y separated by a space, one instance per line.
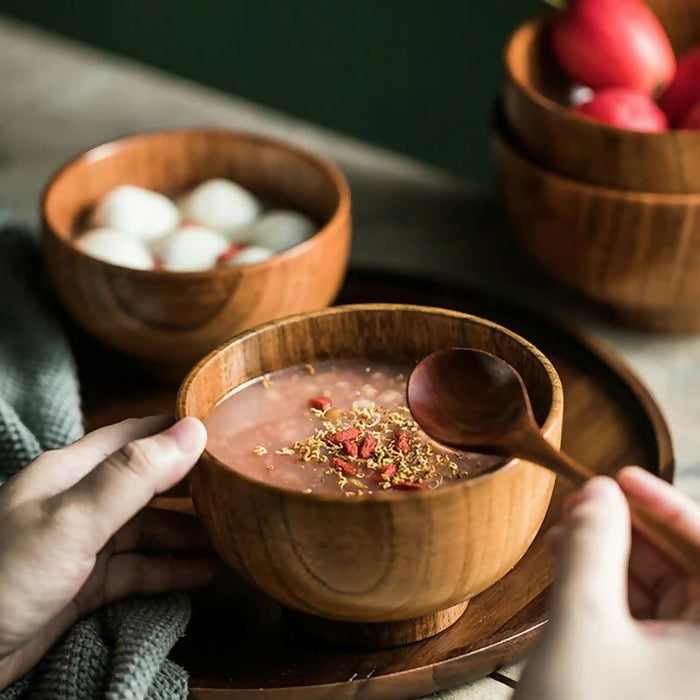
pixel 107 149
pixel 555 409
pixel 654 198
pixel 539 24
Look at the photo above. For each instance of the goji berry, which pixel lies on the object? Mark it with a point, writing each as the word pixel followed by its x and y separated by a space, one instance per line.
pixel 402 443
pixel 409 486
pixel 369 442
pixel 384 474
pixel 344 435
pixel 320 403
pixel 344 466
pixel 229 254
pixel 389 470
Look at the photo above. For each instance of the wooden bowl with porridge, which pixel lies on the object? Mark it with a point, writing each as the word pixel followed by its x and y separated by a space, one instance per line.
pixel 318 487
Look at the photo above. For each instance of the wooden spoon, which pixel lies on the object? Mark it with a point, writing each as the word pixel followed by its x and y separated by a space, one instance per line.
pixel 472 400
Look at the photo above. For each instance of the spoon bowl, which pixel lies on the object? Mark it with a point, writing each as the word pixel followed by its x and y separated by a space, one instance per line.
pixel 468 398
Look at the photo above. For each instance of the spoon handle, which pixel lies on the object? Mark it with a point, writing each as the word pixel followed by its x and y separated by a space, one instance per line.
pixel 529 444
pixel 676 546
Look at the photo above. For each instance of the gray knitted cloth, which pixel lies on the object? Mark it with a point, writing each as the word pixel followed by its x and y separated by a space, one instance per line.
pixel 120 651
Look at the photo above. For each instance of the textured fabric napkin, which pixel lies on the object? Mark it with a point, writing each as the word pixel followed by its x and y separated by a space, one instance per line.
pixel 121 651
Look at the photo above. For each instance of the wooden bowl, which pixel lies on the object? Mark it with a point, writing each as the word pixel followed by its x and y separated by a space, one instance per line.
pixel 394 567
pixel 636 253
pixel 535 96
pixel 172 319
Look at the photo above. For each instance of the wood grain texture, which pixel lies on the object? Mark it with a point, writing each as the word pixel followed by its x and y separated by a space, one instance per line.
pixel 638 254
pixel 534 96
pixel 242 645
pixel 394 557
pixel 172 319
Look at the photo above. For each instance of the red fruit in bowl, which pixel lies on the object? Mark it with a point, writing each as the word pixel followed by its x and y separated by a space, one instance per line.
pixel 613 43
pixel 684 91
pixel 625 109
pixel 692 118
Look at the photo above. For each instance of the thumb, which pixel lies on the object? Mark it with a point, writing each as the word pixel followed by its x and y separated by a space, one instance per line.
pixel 124 483
pixel 592 572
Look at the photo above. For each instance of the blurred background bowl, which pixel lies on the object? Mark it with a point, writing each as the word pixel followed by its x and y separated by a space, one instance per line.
pixel 637 253
pixel 170 319
pixel 535 99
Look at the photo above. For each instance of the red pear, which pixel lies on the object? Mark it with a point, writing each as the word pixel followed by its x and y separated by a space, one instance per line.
pixel 625 109
pixel 684 91
pixel 613 43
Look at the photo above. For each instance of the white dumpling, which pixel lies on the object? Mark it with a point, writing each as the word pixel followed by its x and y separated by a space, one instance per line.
pixel 249 255
pixel 221 205
pixel 280 230
pixel 116 248
pixel 191 249
pixel 137 212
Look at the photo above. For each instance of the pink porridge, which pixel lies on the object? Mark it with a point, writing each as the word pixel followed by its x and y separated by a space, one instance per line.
pixel 334 426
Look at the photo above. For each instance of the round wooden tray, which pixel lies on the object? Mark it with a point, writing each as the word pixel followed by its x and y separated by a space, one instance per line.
pixel 240 644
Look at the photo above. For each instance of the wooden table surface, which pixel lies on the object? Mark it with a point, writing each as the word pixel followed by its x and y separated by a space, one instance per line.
pixel 57 98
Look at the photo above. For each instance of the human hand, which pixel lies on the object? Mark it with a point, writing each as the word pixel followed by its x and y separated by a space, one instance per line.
pixel 74 536
pixel 625 621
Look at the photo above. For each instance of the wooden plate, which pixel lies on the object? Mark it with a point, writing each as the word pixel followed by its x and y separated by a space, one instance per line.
pixel 242 645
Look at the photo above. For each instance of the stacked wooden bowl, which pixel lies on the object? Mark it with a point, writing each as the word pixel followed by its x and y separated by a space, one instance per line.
pixel 612 213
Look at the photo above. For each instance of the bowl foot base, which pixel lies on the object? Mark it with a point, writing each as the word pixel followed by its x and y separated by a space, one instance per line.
pixel 381 634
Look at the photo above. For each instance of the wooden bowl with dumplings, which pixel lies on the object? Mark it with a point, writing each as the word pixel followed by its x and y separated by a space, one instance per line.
pixel 391 567
pixel 536 100
pixel 168 319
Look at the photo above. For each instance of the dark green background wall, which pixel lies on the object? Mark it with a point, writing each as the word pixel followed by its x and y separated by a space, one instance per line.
pixel 414 75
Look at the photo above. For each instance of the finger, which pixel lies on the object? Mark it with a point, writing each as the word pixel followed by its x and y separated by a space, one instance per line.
pixel 136 574
pixel 667 503
pixel 571 502
pixel 641 602
pixel 58 470
pixel 692 610
pixel 118 488
pixel 157 530
pixel 592 573
pixel 651 567
pixel 127 575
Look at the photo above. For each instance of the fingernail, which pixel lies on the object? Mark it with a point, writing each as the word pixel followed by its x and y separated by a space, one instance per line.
pixel 188 434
